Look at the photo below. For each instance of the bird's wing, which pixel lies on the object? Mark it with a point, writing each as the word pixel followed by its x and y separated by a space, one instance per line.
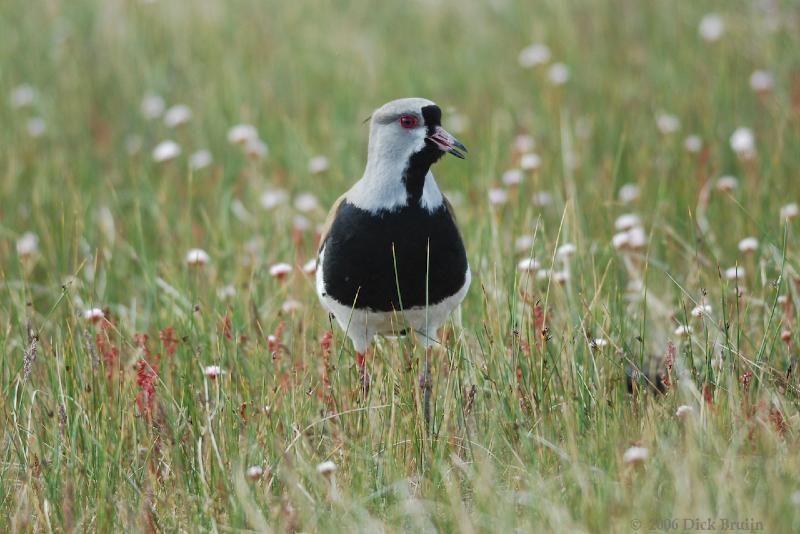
pixel 329 221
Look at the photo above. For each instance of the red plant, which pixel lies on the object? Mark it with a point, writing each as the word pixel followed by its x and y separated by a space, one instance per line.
pixel 227 327
pixel 168 340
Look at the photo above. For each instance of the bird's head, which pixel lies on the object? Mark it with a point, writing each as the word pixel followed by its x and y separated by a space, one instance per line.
pixel 411 126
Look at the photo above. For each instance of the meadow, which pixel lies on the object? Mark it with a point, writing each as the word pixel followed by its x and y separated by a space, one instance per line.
pixel 625 360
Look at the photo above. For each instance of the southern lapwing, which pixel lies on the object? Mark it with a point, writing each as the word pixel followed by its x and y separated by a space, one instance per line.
pixel 390 255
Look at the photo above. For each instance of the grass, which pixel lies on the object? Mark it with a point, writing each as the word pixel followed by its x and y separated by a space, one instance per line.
pixel 104 428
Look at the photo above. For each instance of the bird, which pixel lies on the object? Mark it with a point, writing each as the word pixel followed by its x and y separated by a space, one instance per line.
pixel 391 255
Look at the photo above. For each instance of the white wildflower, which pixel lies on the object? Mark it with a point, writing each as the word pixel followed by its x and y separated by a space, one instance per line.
pixel 272 198
pixel 748 244
pixel 512 177
pixel 166 151
pixel 22 96
pixel 306 202
pixel 280 270
pixel 558 74
pixel 693 144
pixel 177 116
pixel 498 196
pixel 667 123
pixel 533 55
pixel 318 165
pixel 197 257
pixel 152 106
pixel 528 265
pixel 711 27
pixel 27 244
pixel 635 455
pixel 762 81
pixel 627 221
pixel 727 184
pixel 790 211
pixel 684 411
pixel 530 161
pixel 200 159
pixel 628 193
pixel 242 133
pixel 36 127
pixel 743 142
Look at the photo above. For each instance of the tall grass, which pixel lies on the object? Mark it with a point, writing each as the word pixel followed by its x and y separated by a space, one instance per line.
pixel 114 424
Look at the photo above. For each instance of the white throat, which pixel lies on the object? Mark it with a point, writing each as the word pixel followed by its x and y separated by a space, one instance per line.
pixel 382 187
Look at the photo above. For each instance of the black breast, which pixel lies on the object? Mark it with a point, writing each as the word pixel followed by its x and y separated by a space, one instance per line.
pixel 380 261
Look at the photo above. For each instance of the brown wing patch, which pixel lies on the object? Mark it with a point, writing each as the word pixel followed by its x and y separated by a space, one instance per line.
pixel 329 221
pixel 451 211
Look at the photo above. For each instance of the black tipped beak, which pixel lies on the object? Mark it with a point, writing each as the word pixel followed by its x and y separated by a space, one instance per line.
pixel 458 149
pixel 447 143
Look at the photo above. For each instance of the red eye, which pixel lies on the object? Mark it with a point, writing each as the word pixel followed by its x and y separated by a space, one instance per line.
pixel 408 121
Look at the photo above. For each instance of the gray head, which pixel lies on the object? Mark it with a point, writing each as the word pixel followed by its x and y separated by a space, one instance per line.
pixel 405 138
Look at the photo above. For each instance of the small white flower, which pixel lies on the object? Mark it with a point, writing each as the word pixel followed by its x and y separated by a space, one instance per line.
pixel 27 244
pixel 542 274
pixel 560 277
pixel 256 149
pixel 600 342
pixel 306 202
pixel 542 199
pixel 637 237
pixel 524 143
pixel 683 330
pixel 635 455
pixel 783 299
pixel 152 106
pixel 177 116
pixel 700 310
pixel 226 292
pixel 166 151
pixel 620 240
pixel 711 27
pixel 762 81
pixel 93 315
pixel 254 472
pixel 627 221
pixel 212 371
pixel 684 411
pixel 197 257
pixel 310 267
pixel 326 468
pixel 318 165
pixel 743 142
pixel 790 211
pixel 667 123
pixel 36 127
pixel 727 184
pixel 528 265
pixel 628 193
pixel 748 244
pixel 300 223
pixel 558 74
pixel 533 55
pixel 530 161
pixel 280 270
pixel 498 196
pixel 272 198
pixel 716 363
pixel 732 273
pixel 200 160
pixel 291 306
pixel 693 144
pixel 566 250
pixel 242 133
pixel 512 177
pixel 22 96
pixel 523 243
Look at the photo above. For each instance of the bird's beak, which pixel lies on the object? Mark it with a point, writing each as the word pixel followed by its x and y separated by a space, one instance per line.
pixel 447 143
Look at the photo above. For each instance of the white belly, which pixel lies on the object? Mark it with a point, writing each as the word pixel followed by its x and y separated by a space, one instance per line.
pixel 361 325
